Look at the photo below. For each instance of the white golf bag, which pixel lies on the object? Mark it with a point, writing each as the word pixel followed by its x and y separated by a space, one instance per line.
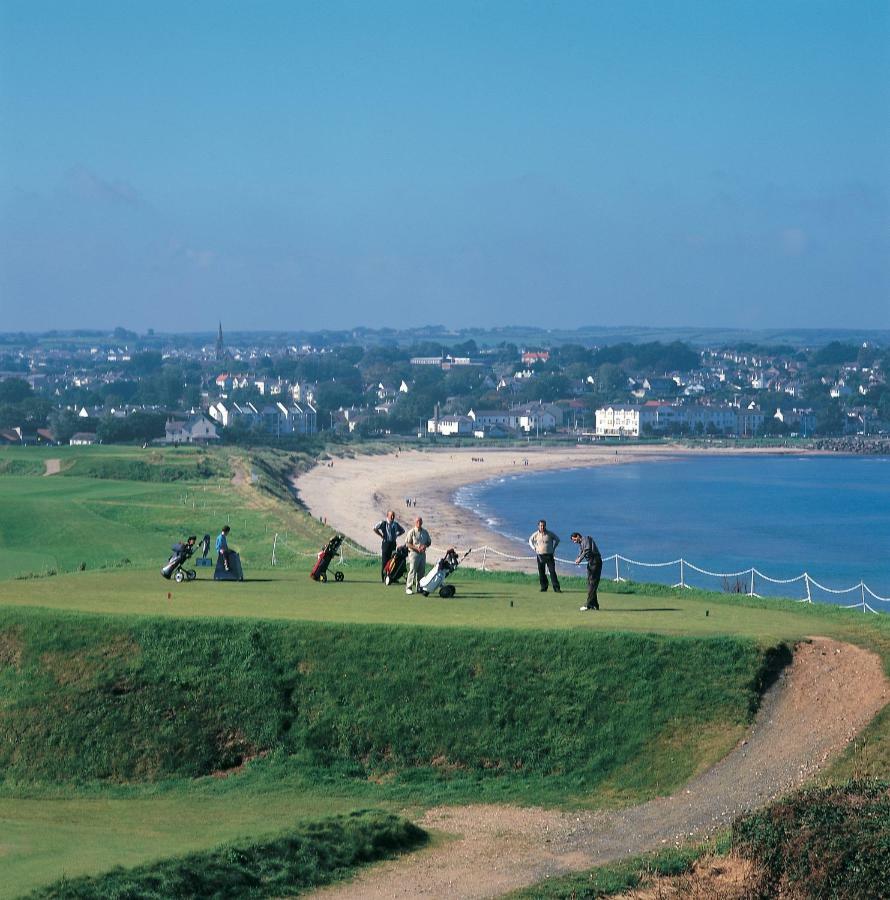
pixel 434 580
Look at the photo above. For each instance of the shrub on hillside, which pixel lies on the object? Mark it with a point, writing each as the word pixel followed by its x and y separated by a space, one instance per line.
pixel 138 470
pixel 822 843
pixel 315 854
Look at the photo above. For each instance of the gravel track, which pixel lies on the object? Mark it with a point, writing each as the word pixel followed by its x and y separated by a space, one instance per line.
pixel 827 695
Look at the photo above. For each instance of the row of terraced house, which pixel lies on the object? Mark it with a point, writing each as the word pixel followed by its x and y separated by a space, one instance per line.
pixel 631 420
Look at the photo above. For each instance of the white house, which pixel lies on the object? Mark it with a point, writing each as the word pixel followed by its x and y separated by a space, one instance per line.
pixel 620 420
pixel 195 430
pixel 451 425
pixel 304 392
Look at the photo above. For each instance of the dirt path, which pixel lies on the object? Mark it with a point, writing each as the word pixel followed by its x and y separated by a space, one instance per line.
pixel 828 694
pixel 53 466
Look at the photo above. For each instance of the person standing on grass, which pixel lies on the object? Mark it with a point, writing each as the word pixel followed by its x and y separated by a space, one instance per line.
pixel 222 546
pixel 389 531
pixel 417 541
pixel 544 543
pixel 591 553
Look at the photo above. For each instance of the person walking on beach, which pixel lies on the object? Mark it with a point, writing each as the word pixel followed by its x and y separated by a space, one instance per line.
pixel 544 543
pixel 591 553
pixel 417 541
pixel 389 531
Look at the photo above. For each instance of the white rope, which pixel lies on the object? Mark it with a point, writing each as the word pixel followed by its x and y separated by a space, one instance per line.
pixel 356 549
pixel 868 590
pixel 636 562
pixel 808 580
pixel 781 580
pixel 719 574
pixel 805 577
pixel 829 590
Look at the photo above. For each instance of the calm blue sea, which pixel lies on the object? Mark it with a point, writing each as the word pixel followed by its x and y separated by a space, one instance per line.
pixel 826 515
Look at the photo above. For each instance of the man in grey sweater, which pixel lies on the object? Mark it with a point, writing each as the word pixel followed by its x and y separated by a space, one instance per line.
pixel 544 543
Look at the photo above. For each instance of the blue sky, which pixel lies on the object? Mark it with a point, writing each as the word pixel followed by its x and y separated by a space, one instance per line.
pixel 329 164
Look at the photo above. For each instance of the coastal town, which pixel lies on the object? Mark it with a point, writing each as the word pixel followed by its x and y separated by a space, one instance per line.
pixel 122 387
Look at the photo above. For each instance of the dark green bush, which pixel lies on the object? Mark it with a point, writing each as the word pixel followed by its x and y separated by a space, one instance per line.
pixel 822 843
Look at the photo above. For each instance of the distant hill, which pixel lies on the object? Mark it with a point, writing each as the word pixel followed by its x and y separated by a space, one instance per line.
pixel 525 335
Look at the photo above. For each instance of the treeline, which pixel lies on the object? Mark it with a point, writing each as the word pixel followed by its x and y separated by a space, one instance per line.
pixel 20 406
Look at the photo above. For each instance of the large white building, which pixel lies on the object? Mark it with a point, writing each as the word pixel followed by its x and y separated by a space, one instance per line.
pixel 620 420
pixel 534 417
pixel 628 420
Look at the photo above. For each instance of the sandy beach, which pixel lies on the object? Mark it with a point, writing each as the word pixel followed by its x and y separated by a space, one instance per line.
pixel 354 493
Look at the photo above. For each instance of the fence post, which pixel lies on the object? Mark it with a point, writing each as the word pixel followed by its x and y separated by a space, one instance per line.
pixel 681 583
pixel 274 542
pixel 862 591
pixel 484 555
pixel 751 592
pixel 617 572
pixel 806 581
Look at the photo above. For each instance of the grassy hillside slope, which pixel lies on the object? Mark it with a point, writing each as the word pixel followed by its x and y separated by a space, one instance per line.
pixel 86 698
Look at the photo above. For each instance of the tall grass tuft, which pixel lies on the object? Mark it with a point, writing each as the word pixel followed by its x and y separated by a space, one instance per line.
pixel 306 857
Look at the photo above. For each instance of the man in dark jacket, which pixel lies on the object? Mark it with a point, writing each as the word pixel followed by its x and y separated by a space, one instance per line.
pixel 591 553
pixel 389 531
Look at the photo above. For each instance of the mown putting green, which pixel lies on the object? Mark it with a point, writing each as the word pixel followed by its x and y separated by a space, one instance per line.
pixel 121 694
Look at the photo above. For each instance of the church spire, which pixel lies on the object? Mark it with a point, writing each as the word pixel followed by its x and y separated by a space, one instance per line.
pixel 220 349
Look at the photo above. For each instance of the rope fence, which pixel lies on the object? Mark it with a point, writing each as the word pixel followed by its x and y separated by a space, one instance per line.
pixel 751 581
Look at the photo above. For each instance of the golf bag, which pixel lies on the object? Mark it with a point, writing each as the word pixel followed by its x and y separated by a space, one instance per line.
pixel 396 566
pixel 175 565
pixel 320 569
pixel 204 547
pixel 435 578
pixel 233 573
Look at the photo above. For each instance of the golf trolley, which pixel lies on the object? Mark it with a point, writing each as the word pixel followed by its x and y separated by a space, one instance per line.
pixel 435 580
pixel 320 569
pixel 175 567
